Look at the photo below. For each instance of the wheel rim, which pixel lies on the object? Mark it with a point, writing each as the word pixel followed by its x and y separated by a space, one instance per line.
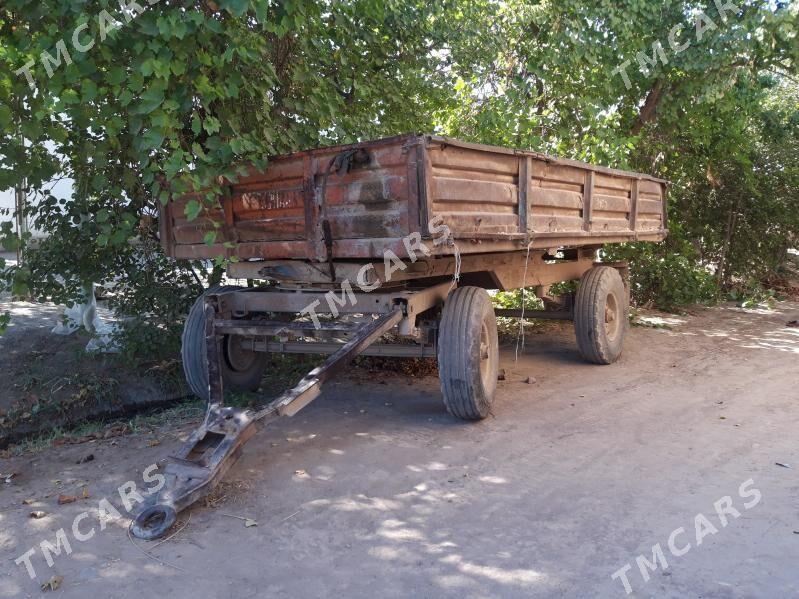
pixel 238 358
pixel 612 317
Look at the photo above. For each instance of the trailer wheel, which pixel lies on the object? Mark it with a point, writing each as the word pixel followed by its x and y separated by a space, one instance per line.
pixel 600 315
pixel 468 353
pixel 242 369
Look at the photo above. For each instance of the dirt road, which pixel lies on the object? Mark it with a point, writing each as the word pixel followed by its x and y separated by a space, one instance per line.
pixel 374 491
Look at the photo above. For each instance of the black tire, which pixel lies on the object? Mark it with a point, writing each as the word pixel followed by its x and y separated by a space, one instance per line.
pixel 242 370
pixel 600 315
pixel 468 353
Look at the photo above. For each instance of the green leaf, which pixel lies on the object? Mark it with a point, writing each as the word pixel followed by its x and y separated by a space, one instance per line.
pixel 88 90
pixel 151 99
pixel 70 96
pixel 236 7
pixel 152 139
pixel 116 75
pixel 192 209
pixel 211 125
pixel 210 238
pixel 6 117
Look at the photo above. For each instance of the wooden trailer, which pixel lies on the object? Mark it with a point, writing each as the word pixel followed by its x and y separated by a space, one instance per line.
pixel 405 234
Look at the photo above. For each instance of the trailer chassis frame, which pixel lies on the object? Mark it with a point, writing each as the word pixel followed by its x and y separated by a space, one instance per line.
pixel 217 443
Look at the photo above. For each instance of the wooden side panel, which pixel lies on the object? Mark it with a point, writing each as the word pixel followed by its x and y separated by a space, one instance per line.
pixel 611 204
pixel 651 207
pixel 575 201
pixel 284 205
pixel 475 193
pixel 270 206
pixel 370 201
pixel 492 199
pixel 185 232
pixel 556 199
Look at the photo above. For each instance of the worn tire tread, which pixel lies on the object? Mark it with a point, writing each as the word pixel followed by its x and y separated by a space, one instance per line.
pixel 589 321
pixel 463 397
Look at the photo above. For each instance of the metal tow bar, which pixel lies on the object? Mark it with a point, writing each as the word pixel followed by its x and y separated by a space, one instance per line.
pixel 215 446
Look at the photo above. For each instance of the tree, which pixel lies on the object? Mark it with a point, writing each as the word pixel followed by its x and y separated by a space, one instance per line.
pixel 140 101
pixel 696 92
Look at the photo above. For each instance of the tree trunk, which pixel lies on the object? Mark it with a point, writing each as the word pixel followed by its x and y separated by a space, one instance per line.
pixel 721 273
pixel 650 107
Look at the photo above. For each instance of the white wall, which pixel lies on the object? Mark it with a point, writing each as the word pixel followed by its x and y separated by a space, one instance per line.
pixel 62 189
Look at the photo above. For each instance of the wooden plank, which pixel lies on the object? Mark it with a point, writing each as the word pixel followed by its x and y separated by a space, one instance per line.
pixel 599 224
pixel 479 192
pixel 647 206
pixel 556 198
pixel 459 158
pixel 449 141
pixel 603 203
pixel 558 223
pixel 554 174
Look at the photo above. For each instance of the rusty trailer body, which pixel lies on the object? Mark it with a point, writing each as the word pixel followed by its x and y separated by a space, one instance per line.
pixel 328 228
pixel 492 199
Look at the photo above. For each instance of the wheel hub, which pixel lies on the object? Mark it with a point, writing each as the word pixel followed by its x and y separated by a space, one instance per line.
pixel 611 316
pixel 238 358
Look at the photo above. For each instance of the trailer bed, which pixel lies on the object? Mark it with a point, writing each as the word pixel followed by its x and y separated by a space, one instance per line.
pixel 358 201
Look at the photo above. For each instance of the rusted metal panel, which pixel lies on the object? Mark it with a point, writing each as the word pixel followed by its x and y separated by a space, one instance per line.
pixel 589 201
pixel 525 189
pixel 372 195
pixel 474 193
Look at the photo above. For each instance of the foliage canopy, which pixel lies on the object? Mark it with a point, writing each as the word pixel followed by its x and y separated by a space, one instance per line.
pixel 703 93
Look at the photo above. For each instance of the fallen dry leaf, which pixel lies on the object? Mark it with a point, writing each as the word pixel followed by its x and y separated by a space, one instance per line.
pixel 37 514
pixel 248 523
pixel 62 499
pixel 153 442
pixel 300 472
pixel 53 583
pixel 85 493
pixel 27 501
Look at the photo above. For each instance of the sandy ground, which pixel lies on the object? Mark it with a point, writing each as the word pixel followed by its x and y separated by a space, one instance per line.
pixel 374 491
